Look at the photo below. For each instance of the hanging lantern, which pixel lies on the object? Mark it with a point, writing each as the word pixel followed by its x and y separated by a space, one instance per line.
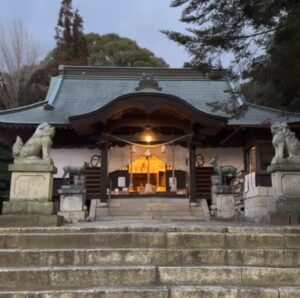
pixel 133 149
pixel 163 149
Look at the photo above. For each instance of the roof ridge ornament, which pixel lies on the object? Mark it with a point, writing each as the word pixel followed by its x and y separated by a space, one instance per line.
pixel 148 82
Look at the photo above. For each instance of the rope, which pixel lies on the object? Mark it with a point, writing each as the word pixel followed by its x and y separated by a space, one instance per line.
pixel 150 146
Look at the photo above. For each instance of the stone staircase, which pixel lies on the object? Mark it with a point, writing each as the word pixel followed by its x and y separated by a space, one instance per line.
pixel 150 261
pixel 150 208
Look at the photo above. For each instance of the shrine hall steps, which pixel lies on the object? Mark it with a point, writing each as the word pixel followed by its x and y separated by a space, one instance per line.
pixel 151 208
pixel 166 262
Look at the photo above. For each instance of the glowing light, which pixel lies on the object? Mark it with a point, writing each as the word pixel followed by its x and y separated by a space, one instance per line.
pixel 148 139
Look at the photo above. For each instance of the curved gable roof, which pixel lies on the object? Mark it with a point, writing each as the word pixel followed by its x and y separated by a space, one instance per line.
pixel 82 90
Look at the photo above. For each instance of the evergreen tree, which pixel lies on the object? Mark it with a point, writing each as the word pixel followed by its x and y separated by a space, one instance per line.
pixel 261 36
pixel 113 50
pixel 71 45
pixel 80 44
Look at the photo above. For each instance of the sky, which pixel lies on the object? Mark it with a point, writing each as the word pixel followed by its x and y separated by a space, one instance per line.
pixel 139 20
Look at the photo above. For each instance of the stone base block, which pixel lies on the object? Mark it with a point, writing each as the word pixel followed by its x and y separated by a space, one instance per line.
pixel 284 219
pixel 288 205
pixel 225 206
pixel 259 191
pixel 72 202
pixel 256 203
pixel 73 216
pixel 29 207
pixel 279 219
pixel 102 212
pixel 31 220
pixel 31 182
pixel 256 207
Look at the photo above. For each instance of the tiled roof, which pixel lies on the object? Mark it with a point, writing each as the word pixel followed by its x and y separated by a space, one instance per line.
pixel 80 90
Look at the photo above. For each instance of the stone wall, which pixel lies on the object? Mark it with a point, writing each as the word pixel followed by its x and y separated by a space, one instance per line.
pixel 226 156
pixel 74 157
pixel 256 203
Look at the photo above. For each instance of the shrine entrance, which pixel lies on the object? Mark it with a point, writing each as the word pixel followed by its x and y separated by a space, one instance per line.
pixel 157 170
pixel 148 141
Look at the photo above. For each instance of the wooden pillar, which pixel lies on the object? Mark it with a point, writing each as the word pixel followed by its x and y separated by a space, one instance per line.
pixel 192 173
pixel 104 171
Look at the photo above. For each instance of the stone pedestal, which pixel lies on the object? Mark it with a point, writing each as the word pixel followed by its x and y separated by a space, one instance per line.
pixel 72 203
pixel 30 202
pixel 222 206
pixel 225 206
pixel 215 182
pixel 285 200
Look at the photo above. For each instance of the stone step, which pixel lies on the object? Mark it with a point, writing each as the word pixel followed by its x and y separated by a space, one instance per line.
pixel 158 226
pixel 229 275
pixel 233 292
pixel 153 200
pixel 75 277
pixel 149 217
pixel 99 292
pixel 150 208
pixel 174 213
pixel 92 276
pixel 162 257
pixel 162 292
pixel 149 240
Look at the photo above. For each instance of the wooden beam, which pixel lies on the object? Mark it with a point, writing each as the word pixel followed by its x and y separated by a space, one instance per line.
pixel 104 172
pixel 184 125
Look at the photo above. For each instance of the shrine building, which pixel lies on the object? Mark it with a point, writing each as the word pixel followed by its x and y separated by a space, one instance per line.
pixel 153 132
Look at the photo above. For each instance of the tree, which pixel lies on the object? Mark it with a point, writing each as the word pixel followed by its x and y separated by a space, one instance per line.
pixel 275 78
pixel 18 60
pixel 113 50
pixel 71 49
pixel 252 33
pixel 71 44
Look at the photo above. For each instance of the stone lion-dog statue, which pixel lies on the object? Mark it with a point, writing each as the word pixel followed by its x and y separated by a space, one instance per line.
pixel 285 143
pixel 37 148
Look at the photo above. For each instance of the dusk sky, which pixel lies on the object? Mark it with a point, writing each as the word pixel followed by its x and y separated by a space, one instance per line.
pixel 139 20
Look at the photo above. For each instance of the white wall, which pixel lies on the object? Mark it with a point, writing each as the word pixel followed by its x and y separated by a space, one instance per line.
pixel 71 157
pixel 226 156
pixel 76 157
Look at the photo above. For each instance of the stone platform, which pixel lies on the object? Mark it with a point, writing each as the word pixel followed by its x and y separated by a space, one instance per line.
pixel 163 259
pixel 30 201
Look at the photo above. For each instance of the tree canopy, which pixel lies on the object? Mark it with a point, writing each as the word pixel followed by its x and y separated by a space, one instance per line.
pixel 261 36
pixel 113 50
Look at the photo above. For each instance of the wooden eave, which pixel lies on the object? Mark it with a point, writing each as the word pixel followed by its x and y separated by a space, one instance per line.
pixel 147 102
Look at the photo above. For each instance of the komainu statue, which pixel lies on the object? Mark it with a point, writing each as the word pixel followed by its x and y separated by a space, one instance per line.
pixel 37 149
pixel 74 171
pixel 223 171
pixel 286 144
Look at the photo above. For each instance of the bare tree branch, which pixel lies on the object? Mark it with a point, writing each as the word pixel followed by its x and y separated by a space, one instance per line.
pixel 18 60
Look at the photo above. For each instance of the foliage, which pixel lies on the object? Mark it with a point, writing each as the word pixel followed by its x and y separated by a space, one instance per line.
pixel 261 36
pixel 71 49
pixel 113 50
pixel 276 77
pixel 70 40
